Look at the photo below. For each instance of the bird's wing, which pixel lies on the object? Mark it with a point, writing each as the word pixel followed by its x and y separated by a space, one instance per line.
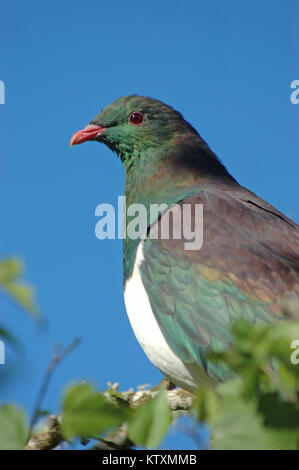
pixel 248 266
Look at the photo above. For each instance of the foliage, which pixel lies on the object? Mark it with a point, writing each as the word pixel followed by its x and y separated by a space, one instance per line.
pixel 259 408
pixel 11 269
pixel 87 413
pixel 13 427
pixel 16 290
pixel 151 422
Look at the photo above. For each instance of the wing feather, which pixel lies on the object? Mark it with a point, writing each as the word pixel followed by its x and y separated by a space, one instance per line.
pixel 247 267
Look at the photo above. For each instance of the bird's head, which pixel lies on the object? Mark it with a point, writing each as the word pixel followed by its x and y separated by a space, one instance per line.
pixel 134 124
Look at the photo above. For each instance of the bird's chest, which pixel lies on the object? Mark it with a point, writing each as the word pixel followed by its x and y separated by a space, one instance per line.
pixel 147 330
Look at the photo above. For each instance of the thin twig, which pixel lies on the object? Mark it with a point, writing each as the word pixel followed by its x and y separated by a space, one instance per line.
pixel 57 357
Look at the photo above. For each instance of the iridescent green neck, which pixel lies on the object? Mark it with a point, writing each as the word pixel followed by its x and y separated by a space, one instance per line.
pixel 166 175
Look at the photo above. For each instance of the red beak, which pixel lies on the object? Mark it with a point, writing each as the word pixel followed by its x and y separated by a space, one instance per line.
pixel 88 133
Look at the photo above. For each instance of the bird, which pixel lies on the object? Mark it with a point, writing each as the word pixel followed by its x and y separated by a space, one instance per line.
pixel 182 302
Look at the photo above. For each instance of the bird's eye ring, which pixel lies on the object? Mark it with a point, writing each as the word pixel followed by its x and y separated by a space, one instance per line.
pixel 136 118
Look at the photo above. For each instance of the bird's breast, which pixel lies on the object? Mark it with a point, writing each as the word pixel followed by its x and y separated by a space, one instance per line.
pixel 149 335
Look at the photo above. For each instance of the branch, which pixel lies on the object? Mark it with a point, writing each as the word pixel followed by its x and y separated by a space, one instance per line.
pixel 179 400
pixel 48 439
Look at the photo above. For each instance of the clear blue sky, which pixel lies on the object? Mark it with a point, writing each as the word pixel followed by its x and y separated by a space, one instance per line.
pixel 227 66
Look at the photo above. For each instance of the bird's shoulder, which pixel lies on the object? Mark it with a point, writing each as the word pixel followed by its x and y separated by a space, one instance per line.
pixel 236 225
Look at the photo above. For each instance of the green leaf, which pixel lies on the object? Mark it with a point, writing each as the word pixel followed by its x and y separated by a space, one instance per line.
pixel 240 425
pixel 21 293
pixel 151 421
pixel 87 413
pixel 282 336
pixel 206 404
pixel 278 413
pixel 10 270
pixel 288 380
pixel 13 428
pixel 259 410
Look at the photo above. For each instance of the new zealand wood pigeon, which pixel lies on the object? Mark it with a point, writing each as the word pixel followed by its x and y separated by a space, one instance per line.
pixel 181 302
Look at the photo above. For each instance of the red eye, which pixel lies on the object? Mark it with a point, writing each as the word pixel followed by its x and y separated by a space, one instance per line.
pixel 136 118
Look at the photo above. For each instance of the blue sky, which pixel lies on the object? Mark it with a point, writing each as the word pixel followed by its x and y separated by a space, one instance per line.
pixel 227 66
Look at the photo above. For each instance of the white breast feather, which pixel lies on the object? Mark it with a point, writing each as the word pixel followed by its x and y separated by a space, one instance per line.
pixel 150 337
